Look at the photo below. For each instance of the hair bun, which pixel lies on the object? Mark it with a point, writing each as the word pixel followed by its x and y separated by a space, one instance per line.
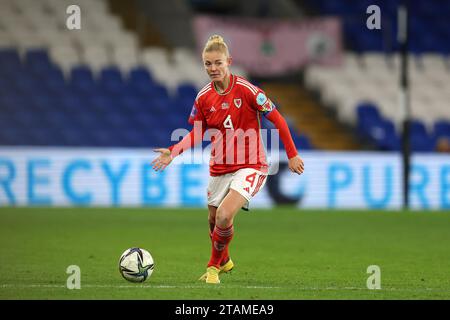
pixel 216 38
pixel 216 43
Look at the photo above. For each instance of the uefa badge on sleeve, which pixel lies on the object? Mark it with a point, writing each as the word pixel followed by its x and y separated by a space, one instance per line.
pixel 261 99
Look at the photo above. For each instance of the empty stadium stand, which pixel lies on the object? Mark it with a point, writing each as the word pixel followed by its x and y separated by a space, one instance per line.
pixel 99 86
pixel 363 91
pixel 90 87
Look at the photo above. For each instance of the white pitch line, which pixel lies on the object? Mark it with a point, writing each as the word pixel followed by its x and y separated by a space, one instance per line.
pixel 128 286
pixel 3 286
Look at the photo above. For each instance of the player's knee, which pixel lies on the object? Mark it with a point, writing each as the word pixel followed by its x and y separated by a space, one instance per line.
pixel 224 217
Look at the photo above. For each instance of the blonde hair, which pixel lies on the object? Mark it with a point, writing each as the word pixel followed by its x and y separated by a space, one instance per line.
pixel 216 43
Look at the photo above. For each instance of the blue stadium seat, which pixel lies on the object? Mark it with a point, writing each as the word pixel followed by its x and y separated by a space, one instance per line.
pixel 58 118
pixel 13 136
pixel 73 104
pixel 12 102
pixel 417 127
pixel 367 113
pixel 7 120
pixel 27 84
pixel 7 86
pixel 111 80
pixel 102 103
pixel 82 80
pixel 81 73
pixel 106 138
pixel 421 142
pixel 146 120
pixel 183 106
pixel 131 103
pixel 135 138
pixel 159 91
pixel 117 120
pixel 186 91
pixel 140 74
pixel 160 105
pixel 441 129
pixel 27 118
pixel 43 136
pixel 75 137
pixel 369 120
pixel 302 142
pixel 54 80
pixel 37 61
pixel 174 120
pixel 9 57
pixel 334 7
pixel 43 102
pixel 140 81
pixel 86 121
pixel 38 56
pixel 385 136
pixel 159 139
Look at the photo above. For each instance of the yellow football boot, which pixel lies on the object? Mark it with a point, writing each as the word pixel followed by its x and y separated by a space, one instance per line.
pixel 227 267
pixel 212 275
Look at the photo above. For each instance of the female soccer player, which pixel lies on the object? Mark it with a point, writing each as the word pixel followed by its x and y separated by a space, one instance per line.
pixel 231 108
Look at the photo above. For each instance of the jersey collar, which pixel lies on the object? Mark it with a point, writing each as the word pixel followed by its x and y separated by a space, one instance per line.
pixel 229 88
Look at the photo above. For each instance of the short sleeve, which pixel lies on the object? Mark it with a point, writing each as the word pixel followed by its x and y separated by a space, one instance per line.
pixel 262 103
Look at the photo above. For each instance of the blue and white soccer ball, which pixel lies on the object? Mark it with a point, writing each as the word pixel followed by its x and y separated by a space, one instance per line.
pixel 136 264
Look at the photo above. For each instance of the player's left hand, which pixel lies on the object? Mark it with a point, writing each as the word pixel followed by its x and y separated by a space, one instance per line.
pixel 163 160
pixel 296 164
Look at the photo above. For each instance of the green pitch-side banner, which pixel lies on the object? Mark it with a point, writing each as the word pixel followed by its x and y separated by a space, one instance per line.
pixel 123 177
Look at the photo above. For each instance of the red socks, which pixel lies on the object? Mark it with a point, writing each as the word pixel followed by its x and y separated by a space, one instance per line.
pixel 220 240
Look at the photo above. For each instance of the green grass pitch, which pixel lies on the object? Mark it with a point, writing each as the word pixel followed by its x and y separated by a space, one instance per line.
pixel 282 253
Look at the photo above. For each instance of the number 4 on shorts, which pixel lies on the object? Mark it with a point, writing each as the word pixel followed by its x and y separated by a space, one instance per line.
pixel 251 178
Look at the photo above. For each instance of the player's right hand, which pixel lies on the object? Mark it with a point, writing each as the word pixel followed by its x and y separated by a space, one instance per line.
pixel 296 165
pixel 163 160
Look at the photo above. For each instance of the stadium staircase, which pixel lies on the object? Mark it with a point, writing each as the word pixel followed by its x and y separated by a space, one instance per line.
pixel 172 19
pixel 133 20
pixel 311 118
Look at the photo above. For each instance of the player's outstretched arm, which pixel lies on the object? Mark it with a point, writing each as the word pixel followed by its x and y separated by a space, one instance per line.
pixel 168 154
pixel 163 160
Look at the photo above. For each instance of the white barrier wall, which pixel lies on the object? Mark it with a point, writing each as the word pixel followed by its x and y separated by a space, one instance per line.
pixel 123 177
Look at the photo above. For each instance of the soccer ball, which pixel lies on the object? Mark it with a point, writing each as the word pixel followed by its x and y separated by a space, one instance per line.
pixel 136 264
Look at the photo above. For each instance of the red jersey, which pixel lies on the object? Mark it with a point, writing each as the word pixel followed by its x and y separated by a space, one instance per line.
pixel 233 119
